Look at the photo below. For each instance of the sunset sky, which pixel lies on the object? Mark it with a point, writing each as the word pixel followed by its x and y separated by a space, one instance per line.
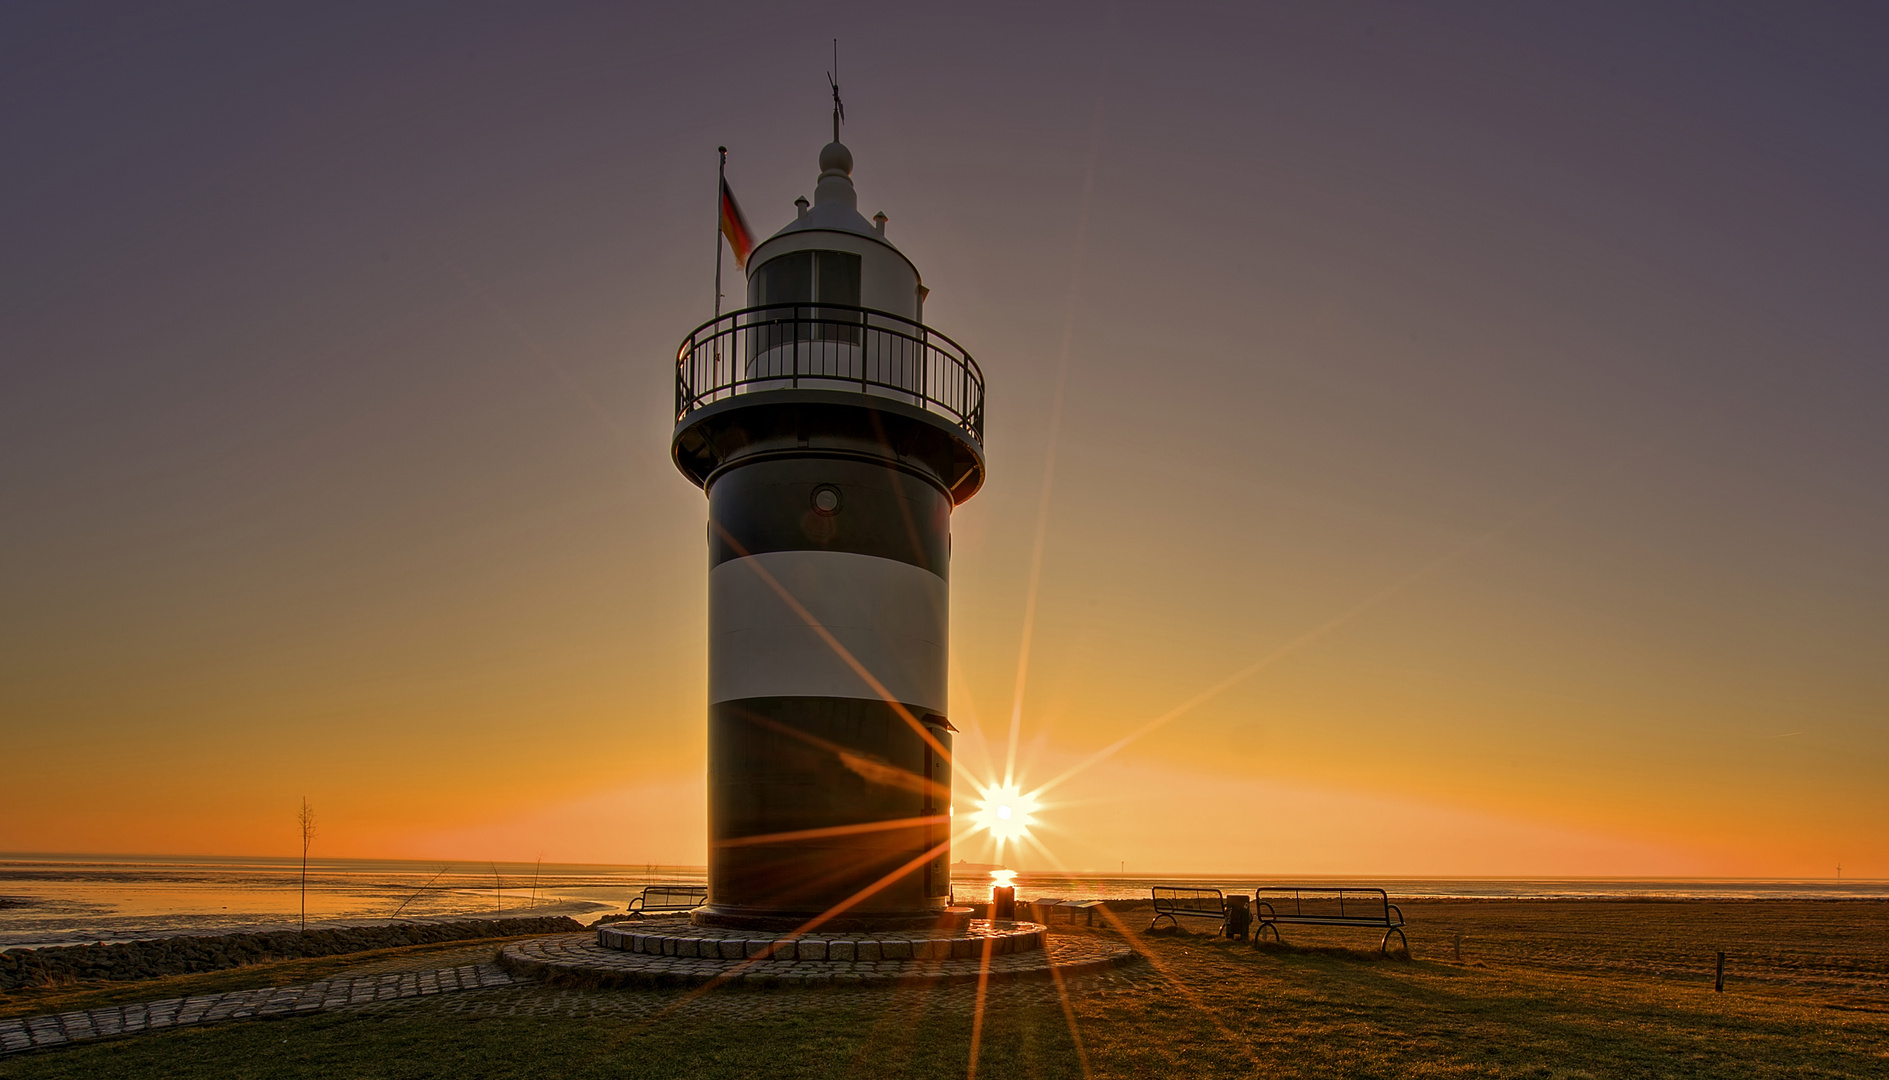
pixel 1487 403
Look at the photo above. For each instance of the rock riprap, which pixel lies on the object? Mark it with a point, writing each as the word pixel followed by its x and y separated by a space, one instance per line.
pixel 132 960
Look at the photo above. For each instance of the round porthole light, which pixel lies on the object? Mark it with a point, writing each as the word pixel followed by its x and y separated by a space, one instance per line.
pixel 826 499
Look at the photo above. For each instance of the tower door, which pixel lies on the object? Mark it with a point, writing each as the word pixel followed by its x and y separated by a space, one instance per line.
pixel 937 804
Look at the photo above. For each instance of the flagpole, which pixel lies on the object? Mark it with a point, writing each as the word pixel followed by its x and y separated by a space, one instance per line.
pixel 721 188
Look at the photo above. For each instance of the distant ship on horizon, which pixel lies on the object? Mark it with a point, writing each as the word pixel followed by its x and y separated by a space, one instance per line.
pixel 964 866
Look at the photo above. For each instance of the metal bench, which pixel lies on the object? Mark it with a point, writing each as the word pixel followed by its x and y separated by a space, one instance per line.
pixel 1326 905
pixel 1176 902
pixel 657 898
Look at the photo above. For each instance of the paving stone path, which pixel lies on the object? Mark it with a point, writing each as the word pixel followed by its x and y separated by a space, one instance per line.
pixel 58 1029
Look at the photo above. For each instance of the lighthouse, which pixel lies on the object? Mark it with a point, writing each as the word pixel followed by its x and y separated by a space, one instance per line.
pixel 832 433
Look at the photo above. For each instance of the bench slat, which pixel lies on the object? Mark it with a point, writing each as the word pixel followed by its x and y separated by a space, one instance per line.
pixel 1188 901
pixel 1330 905
pixel 669 898
pixel 1315 920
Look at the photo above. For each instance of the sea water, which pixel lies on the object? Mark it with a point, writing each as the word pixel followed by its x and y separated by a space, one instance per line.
pixel 67 899
pixel 70 899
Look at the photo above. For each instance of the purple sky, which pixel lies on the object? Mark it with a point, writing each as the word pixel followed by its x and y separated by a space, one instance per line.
pixel 1530 355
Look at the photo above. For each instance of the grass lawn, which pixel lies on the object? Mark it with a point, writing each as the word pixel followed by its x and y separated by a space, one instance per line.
pixel 1626 995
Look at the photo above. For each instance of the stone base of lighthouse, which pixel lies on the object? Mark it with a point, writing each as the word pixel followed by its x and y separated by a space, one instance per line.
pixel 947 920
pixel 675 952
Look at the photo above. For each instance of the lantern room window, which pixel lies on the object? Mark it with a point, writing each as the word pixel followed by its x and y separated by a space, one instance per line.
pixel 805 277
pixel 794 283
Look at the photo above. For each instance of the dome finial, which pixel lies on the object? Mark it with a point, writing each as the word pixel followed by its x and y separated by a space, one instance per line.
pixel 836 171
pixel 836 158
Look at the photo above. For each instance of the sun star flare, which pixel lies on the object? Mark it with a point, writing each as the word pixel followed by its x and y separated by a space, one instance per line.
pixel 1005 811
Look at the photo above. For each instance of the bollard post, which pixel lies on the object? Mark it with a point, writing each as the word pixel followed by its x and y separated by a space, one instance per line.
pixel 1719 986
pixel 1003 902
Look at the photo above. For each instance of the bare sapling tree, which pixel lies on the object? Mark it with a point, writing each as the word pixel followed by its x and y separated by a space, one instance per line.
pixel 307 820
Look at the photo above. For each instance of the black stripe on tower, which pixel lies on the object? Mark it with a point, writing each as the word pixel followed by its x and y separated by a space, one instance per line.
pixel 797 765
pixel 878 510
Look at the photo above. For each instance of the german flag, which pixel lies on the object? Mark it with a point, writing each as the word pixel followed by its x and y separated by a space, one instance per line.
pixel 734 225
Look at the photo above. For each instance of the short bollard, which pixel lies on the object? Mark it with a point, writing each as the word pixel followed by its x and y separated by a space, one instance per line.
pixel 1239 916
pixel 1003 902
pixel 1719 985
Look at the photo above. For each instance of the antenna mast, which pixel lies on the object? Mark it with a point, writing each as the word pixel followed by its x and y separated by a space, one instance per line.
pixel 833 80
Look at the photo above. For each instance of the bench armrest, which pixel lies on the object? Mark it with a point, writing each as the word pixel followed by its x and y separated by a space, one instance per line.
pixel 1399 911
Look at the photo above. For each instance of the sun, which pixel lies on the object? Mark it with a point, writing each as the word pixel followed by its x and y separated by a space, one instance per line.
pixel 1005 812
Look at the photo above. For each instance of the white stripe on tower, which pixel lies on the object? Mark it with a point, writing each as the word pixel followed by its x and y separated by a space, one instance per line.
pixel 891 616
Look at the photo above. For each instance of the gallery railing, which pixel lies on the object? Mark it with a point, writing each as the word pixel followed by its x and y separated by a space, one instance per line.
pixel 831 347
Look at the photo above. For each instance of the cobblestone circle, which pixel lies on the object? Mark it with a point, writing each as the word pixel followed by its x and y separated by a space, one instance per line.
pixel 467 982
pixel 579 959
pixel 679 938
pixel 737 1002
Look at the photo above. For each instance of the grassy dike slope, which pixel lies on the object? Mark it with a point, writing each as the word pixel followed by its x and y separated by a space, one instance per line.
pixel 1589 989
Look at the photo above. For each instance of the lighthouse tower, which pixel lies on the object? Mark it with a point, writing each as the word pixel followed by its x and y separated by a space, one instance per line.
pixel 832 432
